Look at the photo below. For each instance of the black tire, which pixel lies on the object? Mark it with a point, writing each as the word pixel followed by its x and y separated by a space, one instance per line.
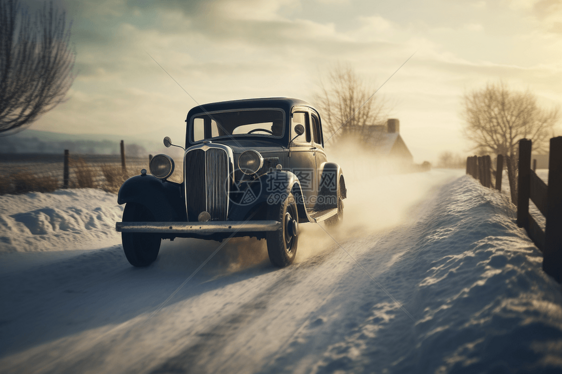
pixel 336 221
pixel 282 244
pixel 141 250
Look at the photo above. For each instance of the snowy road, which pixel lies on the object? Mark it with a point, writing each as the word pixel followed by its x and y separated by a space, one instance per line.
pixel 430 275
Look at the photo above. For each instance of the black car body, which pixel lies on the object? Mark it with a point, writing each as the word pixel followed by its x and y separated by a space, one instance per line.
pixel 252 167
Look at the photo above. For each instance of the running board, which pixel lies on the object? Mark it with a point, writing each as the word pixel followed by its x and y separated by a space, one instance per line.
pixel 321 215
pixel 200 228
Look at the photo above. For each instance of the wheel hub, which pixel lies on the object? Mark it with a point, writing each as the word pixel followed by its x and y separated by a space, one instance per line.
pixel 291 225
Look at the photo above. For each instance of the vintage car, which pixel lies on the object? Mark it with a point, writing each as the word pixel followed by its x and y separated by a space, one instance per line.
pixel 252 167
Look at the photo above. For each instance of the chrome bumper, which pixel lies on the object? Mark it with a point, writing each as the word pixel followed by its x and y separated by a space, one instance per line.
pixel 200 228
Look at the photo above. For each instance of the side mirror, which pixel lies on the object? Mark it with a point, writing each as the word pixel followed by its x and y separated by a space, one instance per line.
pixel 167 142
pixel 299 129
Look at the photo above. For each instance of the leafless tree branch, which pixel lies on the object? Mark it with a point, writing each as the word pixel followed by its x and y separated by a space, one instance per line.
pixel 496 118
pixel 343 99
pixel 36 63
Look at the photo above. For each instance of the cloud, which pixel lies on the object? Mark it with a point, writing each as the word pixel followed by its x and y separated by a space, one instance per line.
pixel 474 27
pixel 225 49
pixel 548 13
pixel 331 2
pixel 479 4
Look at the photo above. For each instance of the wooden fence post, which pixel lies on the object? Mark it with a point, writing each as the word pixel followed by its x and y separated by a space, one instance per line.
pixel 479 160
pixel 475 167
pixel 535 164
pixel 552 254
pixel 499 173
pixel 487 172
pixel 490 169
pixel 483 171
pixel 524 183
pixel 123 165
pixel 511 179
pixel 65 174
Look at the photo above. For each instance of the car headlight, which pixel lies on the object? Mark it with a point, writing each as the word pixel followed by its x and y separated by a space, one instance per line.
pixel 250 162
pixel 162 166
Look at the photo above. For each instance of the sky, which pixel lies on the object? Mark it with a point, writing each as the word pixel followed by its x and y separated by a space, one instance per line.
pixel 234 49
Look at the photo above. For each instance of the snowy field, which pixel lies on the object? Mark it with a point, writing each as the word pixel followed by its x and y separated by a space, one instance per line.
pixel 429 274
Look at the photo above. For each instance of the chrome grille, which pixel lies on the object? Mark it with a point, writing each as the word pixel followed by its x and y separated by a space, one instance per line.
pixel 194 177
pixel 216 165
pixel 206 173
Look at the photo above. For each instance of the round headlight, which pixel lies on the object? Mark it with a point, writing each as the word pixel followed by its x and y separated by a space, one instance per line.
pixel 250 162
pixel 161 166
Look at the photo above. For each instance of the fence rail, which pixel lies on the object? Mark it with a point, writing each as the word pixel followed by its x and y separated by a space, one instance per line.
pixel 547 197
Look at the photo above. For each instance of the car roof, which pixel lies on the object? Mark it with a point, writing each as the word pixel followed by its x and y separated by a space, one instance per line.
pixel 286 103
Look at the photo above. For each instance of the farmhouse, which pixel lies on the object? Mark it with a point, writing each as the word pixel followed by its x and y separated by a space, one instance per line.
pixel 384 141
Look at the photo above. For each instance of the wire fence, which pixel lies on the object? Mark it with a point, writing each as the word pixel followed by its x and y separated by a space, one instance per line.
pixel 21 173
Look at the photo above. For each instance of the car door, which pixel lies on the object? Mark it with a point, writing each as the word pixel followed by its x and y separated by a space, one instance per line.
pixel 319 155
pixel 303 161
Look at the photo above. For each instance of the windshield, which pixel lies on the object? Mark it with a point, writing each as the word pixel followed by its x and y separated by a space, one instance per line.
pixel 250 122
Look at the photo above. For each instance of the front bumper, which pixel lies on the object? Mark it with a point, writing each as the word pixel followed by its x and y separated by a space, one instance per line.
pixel 200 228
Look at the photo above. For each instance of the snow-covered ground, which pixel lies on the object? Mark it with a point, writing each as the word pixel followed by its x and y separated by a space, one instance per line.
pixel 63 220
pixel 429 274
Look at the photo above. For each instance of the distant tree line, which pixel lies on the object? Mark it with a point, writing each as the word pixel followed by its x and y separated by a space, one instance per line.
pixel 450 160
pixel 35 145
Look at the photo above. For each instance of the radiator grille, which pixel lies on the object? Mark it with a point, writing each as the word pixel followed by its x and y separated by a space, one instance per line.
pixel 195 183
pixel 206 183
pixel 217 183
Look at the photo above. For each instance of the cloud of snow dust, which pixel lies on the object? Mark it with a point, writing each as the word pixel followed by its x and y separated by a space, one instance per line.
pixel 234 255
pixel 380 196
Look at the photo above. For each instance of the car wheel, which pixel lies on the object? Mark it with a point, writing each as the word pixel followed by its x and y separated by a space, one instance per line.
pixel 336 220
pixel 140 249
pixel 282 244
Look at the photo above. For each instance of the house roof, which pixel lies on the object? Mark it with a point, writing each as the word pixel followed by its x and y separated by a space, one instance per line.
pixel 382 142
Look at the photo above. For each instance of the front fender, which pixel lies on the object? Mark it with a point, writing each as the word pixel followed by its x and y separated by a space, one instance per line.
pixel 282 183
pixel 164 199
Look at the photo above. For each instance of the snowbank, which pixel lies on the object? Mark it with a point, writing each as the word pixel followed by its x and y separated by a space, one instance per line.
pixel 65 219
pixel 474 296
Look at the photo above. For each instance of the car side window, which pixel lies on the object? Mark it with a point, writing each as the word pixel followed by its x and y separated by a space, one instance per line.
pixel 301 118
pixel 316 130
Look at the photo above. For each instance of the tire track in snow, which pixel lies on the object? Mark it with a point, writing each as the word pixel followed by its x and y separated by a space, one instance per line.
pixel 198 356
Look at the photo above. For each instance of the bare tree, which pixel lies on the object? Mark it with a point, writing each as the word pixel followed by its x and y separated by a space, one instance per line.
pixel 346 103
pixel 496 118
pixel 36 63
pixel 450 160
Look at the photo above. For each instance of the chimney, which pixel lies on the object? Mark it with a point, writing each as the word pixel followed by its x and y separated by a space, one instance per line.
pixel 393 125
